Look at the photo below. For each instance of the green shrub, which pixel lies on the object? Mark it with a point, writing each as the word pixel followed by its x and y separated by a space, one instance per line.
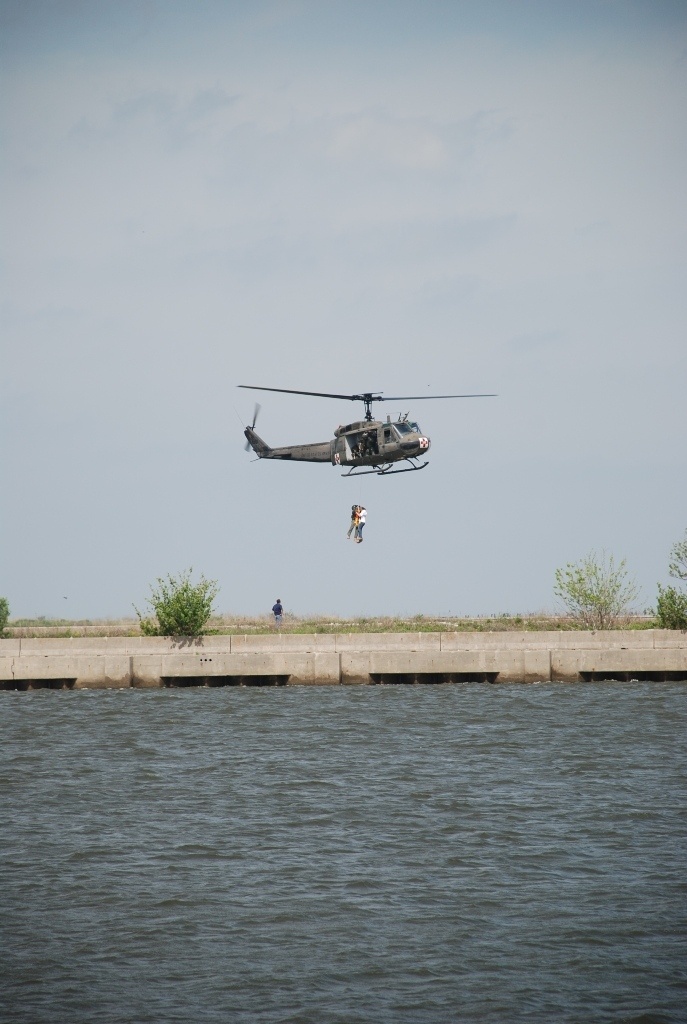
pixel 4 613
pixel 595 591
pixel 678 559
pixel 181 608
pixel 671 608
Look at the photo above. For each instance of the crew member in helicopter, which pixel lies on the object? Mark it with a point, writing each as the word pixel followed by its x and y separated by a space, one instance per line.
pixel 368 446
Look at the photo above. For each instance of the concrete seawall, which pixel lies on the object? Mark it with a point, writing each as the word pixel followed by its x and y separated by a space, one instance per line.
pixel 335 659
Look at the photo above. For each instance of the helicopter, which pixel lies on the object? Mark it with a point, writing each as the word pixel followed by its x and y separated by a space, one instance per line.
pixel 364 446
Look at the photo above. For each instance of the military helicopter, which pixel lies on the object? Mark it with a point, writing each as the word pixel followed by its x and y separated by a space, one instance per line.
pixel 366 446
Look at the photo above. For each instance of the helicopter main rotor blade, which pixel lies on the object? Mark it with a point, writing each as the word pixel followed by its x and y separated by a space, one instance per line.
pixel 315 394
pixel 367 396
pixel 415 398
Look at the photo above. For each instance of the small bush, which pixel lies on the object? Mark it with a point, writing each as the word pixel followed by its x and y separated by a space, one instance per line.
pixel 181 608
pixel 671 608
pixel 4 613
pixel 678 559
pixel 595 590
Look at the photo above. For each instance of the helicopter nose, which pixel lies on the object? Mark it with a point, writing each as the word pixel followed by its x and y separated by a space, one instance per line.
pixel 424 443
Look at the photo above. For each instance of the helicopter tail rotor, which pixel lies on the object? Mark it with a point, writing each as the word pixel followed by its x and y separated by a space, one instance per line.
pixel 260 447
pixel 248 445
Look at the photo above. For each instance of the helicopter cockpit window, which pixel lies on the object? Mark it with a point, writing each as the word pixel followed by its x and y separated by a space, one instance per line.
pixel 407 427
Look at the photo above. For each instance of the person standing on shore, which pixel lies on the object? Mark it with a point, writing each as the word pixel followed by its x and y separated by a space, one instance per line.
pixel 278 612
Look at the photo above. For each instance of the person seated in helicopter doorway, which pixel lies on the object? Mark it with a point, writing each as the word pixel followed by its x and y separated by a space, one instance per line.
pixel 278 610
pixel 362 519
pixel 354 521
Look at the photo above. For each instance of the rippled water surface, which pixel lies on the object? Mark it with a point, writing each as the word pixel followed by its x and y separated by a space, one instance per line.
pixel 364 854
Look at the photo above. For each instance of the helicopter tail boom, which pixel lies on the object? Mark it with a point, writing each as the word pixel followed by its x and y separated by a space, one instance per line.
pixel 319 452
pixel 261 449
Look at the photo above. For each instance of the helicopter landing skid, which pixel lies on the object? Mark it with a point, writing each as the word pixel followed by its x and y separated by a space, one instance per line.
pixel 384 471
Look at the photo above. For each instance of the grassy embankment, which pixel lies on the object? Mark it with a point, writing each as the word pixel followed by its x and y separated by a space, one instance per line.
pixel 241 625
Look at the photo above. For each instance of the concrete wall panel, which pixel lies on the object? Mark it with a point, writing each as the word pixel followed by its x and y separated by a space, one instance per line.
pixel 70 646
pixel 669 638
pixel 536 667
pixel 6 667
pixel 631 639
pixel 496 641
pixel 300 642
pixel 570 665
pixel 149 669
pixel 607 640
pixel 87 671
pixel 426 642
pixel 360 666
pixel 320 668
pixel 602 639
pixel 126 645
pixel 301 667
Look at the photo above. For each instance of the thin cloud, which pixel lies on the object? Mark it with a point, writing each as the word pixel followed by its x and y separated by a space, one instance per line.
pixel 384 140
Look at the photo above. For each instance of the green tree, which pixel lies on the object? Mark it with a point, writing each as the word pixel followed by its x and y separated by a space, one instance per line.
pixel 671 608
pixel 678 560
pixel 4 613
pixel 180 607
pixel 595 590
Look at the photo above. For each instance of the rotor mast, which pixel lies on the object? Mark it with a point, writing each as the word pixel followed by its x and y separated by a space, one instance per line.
pixel 368 398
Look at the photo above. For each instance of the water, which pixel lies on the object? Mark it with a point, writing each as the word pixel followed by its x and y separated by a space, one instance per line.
pixel 367 854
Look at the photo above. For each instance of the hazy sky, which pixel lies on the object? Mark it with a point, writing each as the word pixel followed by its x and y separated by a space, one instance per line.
pixel 400 195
